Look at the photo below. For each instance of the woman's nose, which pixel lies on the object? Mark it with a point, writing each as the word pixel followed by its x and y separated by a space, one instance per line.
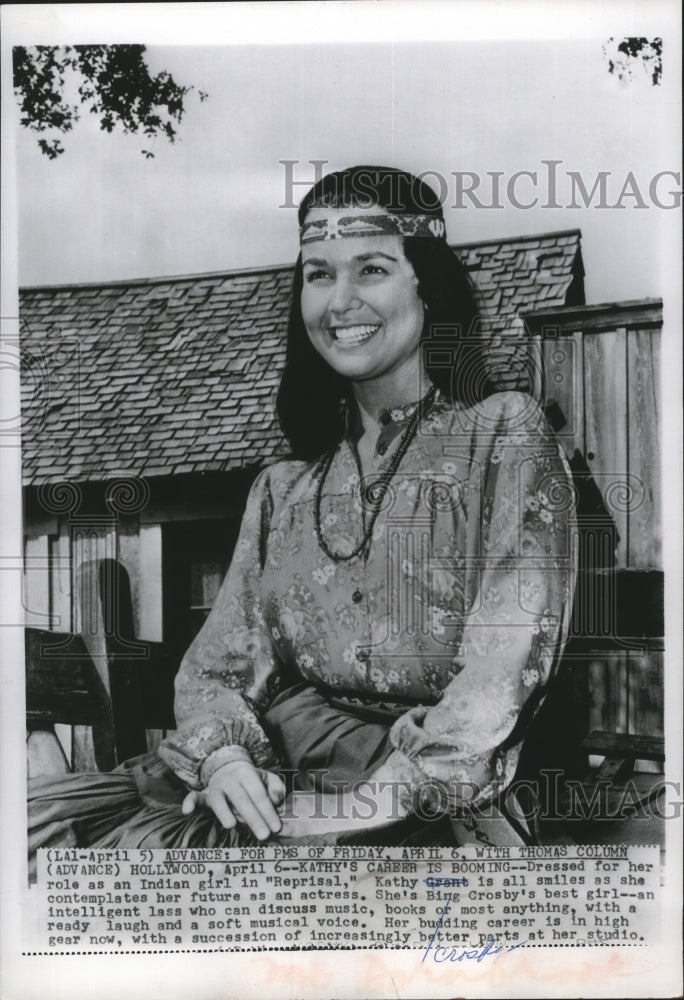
pixel 343 295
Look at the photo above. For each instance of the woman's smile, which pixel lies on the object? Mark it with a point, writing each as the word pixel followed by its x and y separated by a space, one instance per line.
pixel 350 336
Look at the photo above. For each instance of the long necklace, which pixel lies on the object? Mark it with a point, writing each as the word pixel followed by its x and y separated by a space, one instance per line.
pixel 377 490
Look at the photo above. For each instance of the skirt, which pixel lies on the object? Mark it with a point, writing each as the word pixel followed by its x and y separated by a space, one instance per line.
pixel 138 804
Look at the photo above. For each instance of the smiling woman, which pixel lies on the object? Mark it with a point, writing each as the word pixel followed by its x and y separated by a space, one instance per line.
pixel 368 234
pixel 401 589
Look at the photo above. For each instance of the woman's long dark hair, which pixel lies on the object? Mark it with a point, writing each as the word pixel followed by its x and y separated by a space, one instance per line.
pixel 310 393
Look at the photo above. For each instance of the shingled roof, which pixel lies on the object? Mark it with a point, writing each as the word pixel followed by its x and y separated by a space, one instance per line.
pixel 166 376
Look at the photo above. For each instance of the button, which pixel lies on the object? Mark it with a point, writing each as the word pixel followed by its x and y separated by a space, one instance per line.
pixel 357 597
pixel 385 418
pixel 363 654
pixel 382 448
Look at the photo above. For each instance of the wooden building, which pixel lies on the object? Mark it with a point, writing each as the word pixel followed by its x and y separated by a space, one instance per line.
pixel 148 408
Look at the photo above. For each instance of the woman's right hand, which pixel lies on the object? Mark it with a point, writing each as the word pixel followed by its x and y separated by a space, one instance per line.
pixel 241 792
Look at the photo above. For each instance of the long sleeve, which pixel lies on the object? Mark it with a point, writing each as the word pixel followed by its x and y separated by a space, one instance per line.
pixel 519 573
pixel 225 676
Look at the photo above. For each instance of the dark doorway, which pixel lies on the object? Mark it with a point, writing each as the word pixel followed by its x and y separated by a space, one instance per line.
pixel 195 558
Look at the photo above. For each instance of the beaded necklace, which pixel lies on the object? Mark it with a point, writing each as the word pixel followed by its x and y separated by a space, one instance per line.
pixel 377 490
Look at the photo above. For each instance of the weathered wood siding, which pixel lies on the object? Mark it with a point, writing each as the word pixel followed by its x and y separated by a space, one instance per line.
pixel 602 372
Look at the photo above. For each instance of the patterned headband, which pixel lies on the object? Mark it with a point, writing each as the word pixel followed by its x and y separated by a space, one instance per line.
pixel 372 225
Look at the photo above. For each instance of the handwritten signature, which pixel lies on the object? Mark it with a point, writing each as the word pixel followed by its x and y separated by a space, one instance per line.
pixel 441 954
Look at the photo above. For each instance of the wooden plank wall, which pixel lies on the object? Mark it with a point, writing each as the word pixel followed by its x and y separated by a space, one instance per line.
pixel 606 384
pixel 644 545
pixel 605 422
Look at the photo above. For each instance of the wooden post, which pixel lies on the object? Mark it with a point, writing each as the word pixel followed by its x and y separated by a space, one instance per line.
pixel 107 609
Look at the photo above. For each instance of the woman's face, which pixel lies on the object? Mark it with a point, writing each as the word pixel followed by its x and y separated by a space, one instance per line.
pixel 360 302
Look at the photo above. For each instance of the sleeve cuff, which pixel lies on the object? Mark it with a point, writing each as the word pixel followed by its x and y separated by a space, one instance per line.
pixel 217 759
pixel 186 751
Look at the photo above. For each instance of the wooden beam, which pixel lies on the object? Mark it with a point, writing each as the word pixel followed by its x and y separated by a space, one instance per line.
pixel 606 316
pixel 37 582
pixel 643 445
pixel 620 745
pixel 151 618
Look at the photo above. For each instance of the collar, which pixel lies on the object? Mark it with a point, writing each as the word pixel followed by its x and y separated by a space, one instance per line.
pixel 395 415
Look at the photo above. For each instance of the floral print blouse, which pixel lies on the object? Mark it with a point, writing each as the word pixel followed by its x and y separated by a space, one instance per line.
pixel 455 613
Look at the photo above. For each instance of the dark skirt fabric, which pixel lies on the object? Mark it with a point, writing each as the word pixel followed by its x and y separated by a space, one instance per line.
pixel 323 744
pixel 138 805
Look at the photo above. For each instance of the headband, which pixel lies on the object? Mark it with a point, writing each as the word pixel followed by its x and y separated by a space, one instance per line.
pixel 372 225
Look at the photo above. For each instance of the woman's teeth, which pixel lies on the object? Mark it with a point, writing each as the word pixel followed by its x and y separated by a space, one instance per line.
pixel 353 334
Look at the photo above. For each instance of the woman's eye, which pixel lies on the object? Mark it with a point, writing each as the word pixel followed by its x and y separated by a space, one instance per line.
pixel 316 276
pixel 373 269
